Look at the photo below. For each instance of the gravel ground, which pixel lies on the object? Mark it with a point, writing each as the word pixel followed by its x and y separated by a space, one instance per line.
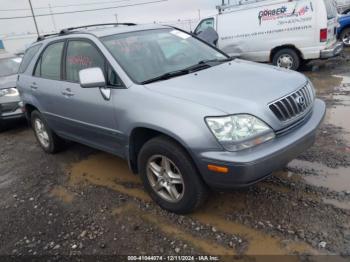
pixel 85 202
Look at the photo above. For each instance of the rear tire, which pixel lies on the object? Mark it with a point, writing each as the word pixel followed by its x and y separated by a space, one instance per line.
pixel 345 37
pixel 287 58
pixel 46 138
pixel 190 190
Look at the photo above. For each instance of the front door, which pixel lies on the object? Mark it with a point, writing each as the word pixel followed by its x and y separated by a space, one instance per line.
pixel 89 117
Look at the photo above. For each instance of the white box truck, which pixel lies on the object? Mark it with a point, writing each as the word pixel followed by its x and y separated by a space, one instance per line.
pixel 286 33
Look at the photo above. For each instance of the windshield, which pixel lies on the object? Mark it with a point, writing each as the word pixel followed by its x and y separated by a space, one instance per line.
pixel 9 66
pixel 145 55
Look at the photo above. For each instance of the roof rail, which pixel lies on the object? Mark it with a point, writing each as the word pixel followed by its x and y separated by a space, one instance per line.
pixel 42 37
pixel 69 29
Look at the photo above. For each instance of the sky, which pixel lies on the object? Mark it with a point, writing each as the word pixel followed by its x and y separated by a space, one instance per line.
pixel 17 34
pixel 170 10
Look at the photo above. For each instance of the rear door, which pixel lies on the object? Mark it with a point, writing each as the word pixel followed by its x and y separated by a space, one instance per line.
pixel 88 117
pixel 46 83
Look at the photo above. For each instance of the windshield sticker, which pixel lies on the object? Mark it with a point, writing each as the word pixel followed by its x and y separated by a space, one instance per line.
pixel 180 34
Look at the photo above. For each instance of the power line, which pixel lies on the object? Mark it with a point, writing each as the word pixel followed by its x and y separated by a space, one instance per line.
pixel 60 6
pixel 82 11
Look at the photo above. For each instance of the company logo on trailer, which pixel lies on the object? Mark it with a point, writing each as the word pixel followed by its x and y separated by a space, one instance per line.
pixel 272 13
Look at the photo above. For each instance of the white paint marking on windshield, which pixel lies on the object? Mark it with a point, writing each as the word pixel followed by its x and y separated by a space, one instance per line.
pixel 180 34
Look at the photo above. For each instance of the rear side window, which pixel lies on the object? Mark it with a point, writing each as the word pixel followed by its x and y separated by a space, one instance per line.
pixel 49 65
pixel 28 56
pixel 81 55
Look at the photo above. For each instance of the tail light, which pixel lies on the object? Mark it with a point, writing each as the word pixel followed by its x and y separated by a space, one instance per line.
pixel 323 35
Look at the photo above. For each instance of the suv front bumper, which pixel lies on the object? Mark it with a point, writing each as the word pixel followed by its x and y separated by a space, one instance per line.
pixel 252 165
pixel 333 51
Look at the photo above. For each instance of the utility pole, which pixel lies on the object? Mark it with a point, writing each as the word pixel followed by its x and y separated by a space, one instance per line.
pixel 116 18
pixel 36 25
pixel 199 14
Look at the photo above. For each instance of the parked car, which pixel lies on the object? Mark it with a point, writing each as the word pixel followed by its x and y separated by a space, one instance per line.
pixel 10 108
pixel 344 30
pixel 343 6
pixel 183 114
pixel 286 33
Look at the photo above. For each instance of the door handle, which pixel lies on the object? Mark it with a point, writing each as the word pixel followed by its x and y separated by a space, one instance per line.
pixel 68 92
pixel 34 86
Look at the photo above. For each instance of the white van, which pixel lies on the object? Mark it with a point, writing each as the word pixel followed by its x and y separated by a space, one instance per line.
pixel 283 32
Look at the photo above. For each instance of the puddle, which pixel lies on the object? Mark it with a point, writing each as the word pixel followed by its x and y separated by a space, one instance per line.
pixel 63 194
pixel 206 246
pixel 338 115
pixel 334 179
pixel 111 172
pixel 171 230
pixel 108 171
pixel 324 83
pixel 339 204
pixel 259 243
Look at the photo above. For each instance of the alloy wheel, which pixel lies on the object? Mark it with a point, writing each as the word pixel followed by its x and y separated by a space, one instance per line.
pixel 41 133
pixel 165 178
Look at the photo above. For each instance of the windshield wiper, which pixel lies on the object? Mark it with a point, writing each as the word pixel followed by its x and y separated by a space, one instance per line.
pixel 166 76
pixel 223 60
pixel 199 66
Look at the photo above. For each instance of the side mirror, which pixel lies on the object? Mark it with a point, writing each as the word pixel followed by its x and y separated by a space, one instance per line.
pixel 92 77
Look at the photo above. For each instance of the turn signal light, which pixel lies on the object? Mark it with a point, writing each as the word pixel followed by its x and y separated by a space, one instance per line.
pixel 218 169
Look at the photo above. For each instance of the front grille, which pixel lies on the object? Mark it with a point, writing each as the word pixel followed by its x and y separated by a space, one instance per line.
pixel 293 105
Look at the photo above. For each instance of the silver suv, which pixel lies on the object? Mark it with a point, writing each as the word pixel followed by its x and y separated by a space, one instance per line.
pixel 184 115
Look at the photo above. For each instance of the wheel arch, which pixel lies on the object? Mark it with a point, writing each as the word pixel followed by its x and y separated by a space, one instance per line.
pixel 342 30
pixel 29 108
pixel 141 135
pixel 290 46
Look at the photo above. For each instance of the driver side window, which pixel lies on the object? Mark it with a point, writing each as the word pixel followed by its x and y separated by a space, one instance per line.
pixel 82 55
pixel 204 25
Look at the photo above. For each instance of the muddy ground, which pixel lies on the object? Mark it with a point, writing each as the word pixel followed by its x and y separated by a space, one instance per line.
pixel 85 202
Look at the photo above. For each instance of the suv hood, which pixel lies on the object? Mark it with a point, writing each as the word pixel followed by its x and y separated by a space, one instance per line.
pixel 8 81
pixel 235 87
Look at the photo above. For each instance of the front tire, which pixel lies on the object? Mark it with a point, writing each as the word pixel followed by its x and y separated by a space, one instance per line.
pixel 170 177
pixel 46 138
pixel 287 58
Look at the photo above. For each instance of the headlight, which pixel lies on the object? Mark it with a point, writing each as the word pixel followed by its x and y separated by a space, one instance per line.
pixel 239 132
pixel 9 92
